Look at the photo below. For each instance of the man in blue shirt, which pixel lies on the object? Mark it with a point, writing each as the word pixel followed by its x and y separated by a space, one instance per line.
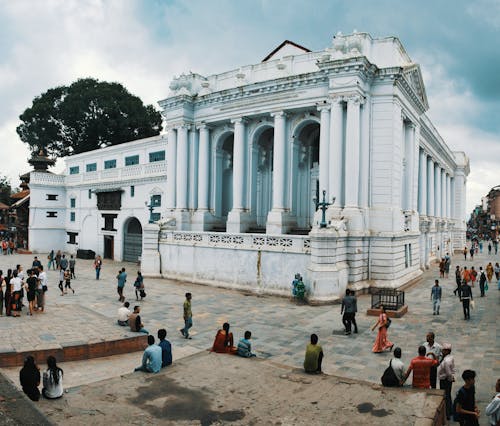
pixel 245 347
pixel 122 279
pixel 151 359
pixel 166 348
pixel 436 297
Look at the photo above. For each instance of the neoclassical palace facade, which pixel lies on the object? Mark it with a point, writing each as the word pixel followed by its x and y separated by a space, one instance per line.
pixel 250 152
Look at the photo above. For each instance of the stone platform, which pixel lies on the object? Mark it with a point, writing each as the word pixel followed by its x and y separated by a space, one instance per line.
pixel 68 332
pixel 209 388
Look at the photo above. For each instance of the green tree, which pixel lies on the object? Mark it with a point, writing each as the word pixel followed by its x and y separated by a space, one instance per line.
pixel 5 190
pixel 87 115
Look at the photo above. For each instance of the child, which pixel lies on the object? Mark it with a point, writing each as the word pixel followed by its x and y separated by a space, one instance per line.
pixel 67 278
pixel 245 347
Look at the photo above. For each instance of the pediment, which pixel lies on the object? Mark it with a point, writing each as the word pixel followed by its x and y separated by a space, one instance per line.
pixel 413 76
pixel 287 48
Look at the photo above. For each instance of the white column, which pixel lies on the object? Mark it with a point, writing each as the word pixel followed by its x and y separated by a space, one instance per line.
pixel 239 164
pixel 336 150
pixel 182 167
pixel 364 162
pixel 204 167
pixel 279 161
pixel 443 193
pixel 409 164
pixel 437 190
pixel 352 151
pixel 430 187
pixel 193 168
pixel 448 196
pixel 324 141
pixel 171 168
pixel 422 184
pixel 452 199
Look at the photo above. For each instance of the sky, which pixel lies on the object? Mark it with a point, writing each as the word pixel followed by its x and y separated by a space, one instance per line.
pixel 143 44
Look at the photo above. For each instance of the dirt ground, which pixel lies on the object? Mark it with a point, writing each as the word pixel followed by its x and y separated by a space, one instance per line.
pixel 213 389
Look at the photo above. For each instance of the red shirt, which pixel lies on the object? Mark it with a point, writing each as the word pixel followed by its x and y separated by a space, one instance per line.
pixel 421 367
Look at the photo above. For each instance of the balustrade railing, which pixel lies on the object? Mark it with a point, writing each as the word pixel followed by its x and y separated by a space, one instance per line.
pixel 281 243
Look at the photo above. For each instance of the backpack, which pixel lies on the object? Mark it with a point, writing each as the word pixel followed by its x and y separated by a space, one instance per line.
pixel 389 378
pixel 455 415
pixel 388 322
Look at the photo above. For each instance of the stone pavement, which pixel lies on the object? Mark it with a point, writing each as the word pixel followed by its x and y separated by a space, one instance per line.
pixel 281 329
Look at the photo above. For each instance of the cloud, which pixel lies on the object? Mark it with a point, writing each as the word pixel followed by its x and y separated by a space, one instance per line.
pixel 144 44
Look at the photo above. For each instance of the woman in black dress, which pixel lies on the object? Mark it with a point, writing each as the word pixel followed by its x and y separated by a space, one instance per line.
pixel 29 376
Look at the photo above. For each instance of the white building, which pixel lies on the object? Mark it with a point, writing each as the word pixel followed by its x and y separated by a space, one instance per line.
pixel 248 150
pixel 99 204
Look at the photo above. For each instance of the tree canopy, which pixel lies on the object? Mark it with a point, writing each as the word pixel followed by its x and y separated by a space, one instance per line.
pixel 5 190
pixel 87 115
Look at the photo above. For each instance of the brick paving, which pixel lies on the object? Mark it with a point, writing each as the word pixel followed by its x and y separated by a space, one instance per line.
pixel 280 329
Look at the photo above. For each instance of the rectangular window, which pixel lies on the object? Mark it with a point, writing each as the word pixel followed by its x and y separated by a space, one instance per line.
pixel 90 194
pixel 51 214
pixel 110 164
pixel 408 259
pixel 72 216
pixel 156 200
pixel 72 202
pixel 156 156
pixel 92 167
pixel 72 237
pixel 133 159
pixel 155 217
pixel 132 190
pixel 109 220
pixel 51 197
pixel 74 170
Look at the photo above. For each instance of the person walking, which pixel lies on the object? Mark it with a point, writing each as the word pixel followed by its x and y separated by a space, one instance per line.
pixel 446 375
pixel 188 316
pixel 471 251
pixel 72 263
pixel 441 267
pixel 122 279
pixel 97 266
pixel 348 310
pixel 496 269
pixel 381 341
pixel 465 253
pixel 52 261
pixel 473 276
pixel 436 293
pixel 465 297
pixel 447 264
pixel 482 280
pixel 489 248
pixel 489 271
pixel 458 279
pixel 139 286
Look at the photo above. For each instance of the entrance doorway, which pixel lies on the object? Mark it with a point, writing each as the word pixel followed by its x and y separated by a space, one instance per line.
pixel 132 240
pixel 109 247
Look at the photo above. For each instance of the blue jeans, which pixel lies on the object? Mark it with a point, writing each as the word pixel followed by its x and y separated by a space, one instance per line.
pixel 435 305
pixel 188 323
pixel 97 273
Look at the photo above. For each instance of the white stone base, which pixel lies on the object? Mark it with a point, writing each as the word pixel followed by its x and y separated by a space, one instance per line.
pixel 354 218
pixel 278 222
pixel 151 264
pixel 327 283
pixel 238 221
pixel 183 220
pixel 202 220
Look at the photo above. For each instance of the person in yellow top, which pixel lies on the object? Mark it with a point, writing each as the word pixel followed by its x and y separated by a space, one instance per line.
pixel 314 356
pixel 489 272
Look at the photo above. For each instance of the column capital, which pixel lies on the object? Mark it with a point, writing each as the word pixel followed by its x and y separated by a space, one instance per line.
pixel 355 99
pixel 239 120
pixel 203 126
pixel 278 114
pixel 336 99
pixel 323 106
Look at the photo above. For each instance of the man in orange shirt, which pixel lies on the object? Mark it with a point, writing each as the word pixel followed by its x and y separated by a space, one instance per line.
pixel 421 366
pixel 466 275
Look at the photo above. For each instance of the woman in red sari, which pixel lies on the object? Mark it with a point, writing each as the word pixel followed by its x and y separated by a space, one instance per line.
pixel 223 343
pixel 382 342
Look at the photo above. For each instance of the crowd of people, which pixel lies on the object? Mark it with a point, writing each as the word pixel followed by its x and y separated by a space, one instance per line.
pixel 433 364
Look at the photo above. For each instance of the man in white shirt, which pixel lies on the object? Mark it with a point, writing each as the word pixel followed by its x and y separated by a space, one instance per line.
pixel 397 365
pixel 431 347
pixel 446 374
pixel 123 314
pixel 493 408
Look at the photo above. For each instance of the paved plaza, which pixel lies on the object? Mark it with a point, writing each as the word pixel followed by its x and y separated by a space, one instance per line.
pixel 280 329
